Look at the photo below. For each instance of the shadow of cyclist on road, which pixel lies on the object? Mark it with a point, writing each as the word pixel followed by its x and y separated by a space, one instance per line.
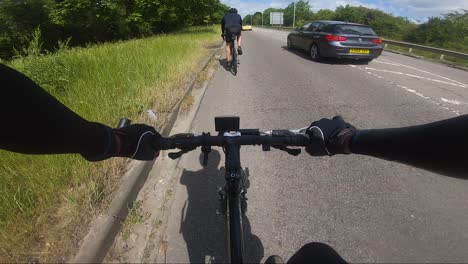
pixel 204 230
pixel 223 63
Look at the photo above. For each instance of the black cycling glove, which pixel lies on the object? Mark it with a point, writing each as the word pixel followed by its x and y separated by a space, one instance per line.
pixel 330 137
pixel 136 142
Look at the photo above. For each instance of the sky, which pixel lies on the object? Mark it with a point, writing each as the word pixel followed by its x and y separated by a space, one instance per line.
pixel 415 10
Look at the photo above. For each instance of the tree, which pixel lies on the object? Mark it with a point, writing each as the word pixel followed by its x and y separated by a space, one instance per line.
pixel 247 19
pixel 219 12
pixel 303 13
pixel 17 23
pixel 324 14
pixel 89 21
pixel 383 24
pixel 449 31
pixel 257 18
pixel 349 13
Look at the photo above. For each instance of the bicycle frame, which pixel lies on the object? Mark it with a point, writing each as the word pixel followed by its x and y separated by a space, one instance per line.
pixel 231 138
pixel 233 48
pixel 233 198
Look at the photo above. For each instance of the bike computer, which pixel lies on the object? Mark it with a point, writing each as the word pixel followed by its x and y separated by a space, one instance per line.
pixel 227 123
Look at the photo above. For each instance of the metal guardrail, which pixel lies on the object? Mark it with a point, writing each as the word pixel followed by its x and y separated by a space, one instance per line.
pixel 276 27
pixel 410 46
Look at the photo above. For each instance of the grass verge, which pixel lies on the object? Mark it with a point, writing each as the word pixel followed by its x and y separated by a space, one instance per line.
pixel 135 216
pixel 47 201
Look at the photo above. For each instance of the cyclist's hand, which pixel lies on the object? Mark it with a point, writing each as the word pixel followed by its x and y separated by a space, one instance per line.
pixel 136 142
pixel 330 137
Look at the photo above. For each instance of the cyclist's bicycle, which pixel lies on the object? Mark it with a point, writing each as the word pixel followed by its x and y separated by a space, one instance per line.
pixel 231 40
pixel 231 138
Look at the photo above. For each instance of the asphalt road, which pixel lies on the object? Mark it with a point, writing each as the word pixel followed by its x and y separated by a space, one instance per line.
pixel 368 210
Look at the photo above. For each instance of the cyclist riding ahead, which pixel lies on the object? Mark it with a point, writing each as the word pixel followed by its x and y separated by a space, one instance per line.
pixel 34 122
pixel 231 24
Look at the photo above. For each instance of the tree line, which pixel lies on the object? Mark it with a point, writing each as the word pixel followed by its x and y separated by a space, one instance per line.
pixel 82 22
pixel 448 31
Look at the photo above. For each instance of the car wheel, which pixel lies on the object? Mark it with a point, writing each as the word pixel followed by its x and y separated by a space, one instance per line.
pixel 315 53
pixel 290 45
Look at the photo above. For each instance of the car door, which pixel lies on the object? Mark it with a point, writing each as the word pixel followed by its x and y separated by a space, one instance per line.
pixel 301 36
pixel 294 37
pixel 309 35
pixel 319 37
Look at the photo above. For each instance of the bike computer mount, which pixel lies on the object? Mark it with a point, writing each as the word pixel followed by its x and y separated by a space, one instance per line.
pixel 223 124
pixel 229 126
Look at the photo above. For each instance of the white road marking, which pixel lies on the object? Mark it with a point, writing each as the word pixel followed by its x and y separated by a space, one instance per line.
pixel 388 63
pixel 403 65
pixel 417 76
pixel 413 91
pixel 455 102
pixel 427 98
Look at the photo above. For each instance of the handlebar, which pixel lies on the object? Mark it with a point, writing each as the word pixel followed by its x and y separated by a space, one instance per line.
pixel 278 139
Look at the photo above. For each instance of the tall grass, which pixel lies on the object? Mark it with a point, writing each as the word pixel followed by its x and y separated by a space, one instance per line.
pixel 43 198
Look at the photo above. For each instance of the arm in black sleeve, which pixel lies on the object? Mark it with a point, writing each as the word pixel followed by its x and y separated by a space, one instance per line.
pixel 223 22
pixel 441 146
pixel 34 122
pixel 240 20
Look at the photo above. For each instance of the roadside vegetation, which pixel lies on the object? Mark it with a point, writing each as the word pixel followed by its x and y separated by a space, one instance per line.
pixel 105 59
pixel 46 201
pixel 81 22
pixel 450 31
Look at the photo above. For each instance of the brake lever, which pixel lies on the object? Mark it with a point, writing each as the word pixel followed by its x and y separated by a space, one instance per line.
pixel 176 155
pixel 294 152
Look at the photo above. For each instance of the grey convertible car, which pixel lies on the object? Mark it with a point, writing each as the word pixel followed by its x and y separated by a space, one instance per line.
pixel 336 39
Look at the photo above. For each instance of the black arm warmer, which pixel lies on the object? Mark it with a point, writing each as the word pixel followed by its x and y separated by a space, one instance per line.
pixel 34 122
pixel 441 146
pixel 223 24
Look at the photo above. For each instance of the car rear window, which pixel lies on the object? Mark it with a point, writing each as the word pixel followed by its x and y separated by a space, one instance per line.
pixel 354 30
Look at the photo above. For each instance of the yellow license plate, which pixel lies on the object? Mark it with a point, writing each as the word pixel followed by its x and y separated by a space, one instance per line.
pixel 359 51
